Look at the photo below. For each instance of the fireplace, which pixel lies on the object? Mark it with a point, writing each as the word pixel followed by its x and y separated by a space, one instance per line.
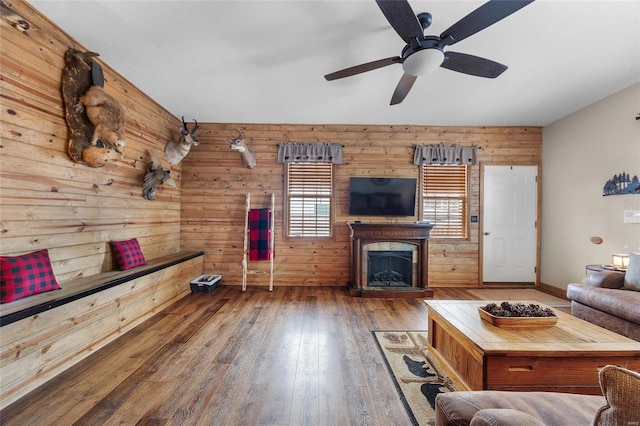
pixel 389 264
pixel 389 269
pixel 389 260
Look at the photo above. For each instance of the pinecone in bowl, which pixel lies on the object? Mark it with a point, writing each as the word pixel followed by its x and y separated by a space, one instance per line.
pixel 518 310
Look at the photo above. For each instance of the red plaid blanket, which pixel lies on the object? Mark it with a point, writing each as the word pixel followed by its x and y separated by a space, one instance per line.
pixel 259 234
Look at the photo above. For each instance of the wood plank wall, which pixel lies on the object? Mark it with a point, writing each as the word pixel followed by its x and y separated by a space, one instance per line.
pixel 215 181
pixel 48 201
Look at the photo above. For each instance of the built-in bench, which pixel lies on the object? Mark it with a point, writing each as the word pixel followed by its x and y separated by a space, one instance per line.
pixel 73 290
pixel 44 334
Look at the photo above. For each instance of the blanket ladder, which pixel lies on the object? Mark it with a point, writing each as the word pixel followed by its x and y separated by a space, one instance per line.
pixel 245 256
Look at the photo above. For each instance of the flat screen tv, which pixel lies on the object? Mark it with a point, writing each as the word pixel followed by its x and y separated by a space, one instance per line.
pixel 382 196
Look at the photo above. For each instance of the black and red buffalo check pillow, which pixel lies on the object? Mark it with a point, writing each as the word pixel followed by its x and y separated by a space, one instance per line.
pixel 128 254
pixel 25 275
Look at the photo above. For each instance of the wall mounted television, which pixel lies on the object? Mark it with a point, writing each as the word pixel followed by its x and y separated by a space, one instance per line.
pixel 369 196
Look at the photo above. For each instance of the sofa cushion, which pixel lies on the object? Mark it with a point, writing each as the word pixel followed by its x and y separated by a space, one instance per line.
pixel 503 417
pixel 632 276
pixel 621 303
pixel 621 389
pixel 552 408
pixel 605 279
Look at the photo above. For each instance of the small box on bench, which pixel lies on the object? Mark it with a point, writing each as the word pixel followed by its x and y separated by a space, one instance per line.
pixel 206 283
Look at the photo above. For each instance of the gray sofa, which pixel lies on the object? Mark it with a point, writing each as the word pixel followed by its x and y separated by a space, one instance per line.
pixel 618 405
pixel 606 299
pixel 515 408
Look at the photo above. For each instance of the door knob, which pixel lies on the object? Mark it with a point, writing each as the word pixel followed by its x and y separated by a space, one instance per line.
pixel 487 233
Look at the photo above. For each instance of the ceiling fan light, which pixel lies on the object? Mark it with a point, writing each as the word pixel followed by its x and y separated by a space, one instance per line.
pixel 423 61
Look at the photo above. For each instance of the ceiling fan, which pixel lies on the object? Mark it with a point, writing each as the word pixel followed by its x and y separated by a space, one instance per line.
pixel 423 54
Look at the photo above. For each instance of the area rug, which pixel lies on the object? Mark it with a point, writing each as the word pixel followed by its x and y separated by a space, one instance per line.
pixel 417 377
pixel 514 294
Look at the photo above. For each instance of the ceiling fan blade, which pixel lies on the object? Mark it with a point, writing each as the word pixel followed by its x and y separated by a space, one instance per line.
pixel 369 66
pixel 402 18
pixel 402 89
pixel 481 18
pixel 472 65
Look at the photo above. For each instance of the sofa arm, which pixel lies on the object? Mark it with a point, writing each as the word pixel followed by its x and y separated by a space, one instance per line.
pixel 605 279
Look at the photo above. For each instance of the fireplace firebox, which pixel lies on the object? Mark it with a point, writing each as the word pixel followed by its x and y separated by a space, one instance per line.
pixel 389 260
pixel 389 268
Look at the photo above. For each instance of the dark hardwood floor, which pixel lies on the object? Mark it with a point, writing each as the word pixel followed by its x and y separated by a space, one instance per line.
pixel 295 356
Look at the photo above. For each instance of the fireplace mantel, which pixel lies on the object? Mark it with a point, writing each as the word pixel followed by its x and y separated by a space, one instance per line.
pixel 368 233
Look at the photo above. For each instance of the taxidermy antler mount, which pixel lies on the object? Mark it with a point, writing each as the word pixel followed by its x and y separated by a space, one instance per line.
pixel 238 144
pixel 95 119
pixel 175 152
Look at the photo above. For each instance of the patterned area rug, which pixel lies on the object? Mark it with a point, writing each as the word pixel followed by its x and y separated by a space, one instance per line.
pixel 417 378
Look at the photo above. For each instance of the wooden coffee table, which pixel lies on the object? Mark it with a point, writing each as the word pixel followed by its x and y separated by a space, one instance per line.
pixel 564 357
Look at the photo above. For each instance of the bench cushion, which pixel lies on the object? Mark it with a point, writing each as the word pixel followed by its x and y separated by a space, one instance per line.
pixel 25 275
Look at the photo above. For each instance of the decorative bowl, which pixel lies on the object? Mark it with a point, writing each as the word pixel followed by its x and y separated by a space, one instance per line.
pixel 523 322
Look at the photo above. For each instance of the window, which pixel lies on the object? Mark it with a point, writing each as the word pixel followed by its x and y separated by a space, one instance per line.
pixel 444 199
pixel 309 199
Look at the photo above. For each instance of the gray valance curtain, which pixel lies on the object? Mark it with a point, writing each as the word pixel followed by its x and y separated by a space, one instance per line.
pixel 445 154
pixel 318 152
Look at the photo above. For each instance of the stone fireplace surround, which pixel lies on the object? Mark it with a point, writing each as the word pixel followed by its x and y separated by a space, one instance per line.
pixel 391 237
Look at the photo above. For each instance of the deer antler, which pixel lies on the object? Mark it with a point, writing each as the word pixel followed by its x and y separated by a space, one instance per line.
pixel 186 129
pixel 175 151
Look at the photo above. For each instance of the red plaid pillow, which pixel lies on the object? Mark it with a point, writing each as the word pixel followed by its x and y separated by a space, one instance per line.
pixel 128 254
pixel 25 275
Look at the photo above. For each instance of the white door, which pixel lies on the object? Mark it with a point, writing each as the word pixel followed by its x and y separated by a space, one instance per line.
pixel 509 224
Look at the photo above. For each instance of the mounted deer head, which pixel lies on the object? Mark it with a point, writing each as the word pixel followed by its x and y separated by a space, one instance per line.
pixel 237 144
pixel 175 152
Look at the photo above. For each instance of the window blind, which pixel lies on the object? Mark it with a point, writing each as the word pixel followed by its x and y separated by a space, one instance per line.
pixel 444 201
pixel 309 198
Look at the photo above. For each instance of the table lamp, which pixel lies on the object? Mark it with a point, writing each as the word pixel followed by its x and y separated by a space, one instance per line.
pixel 620 261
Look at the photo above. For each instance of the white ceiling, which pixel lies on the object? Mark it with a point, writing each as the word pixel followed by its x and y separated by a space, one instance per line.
pixel 264 61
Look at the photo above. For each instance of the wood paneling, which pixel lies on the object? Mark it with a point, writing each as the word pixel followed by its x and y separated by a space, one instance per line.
pixel 215 181
pixel 48 201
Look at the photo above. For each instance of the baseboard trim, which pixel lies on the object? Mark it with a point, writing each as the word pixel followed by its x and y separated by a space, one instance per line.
pixel 553 290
